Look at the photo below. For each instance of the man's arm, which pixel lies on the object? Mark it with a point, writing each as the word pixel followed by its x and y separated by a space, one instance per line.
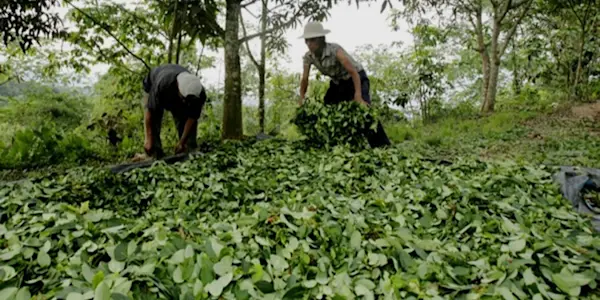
pixel 189 125
pixel 147 121
pixel 354 73
pixel 304 82
pixel 193 115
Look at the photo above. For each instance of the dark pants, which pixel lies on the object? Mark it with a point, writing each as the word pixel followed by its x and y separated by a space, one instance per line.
pixel 157 117
pixel 344 91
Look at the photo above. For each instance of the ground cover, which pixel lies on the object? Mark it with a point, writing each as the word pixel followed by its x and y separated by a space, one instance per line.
pixel 273 220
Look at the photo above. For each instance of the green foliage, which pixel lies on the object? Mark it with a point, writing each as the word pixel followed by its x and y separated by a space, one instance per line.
pixel 45 145
pixel 531 98
pixel 331 125
pixel 43 106
pixel 272 221
pixel 27 22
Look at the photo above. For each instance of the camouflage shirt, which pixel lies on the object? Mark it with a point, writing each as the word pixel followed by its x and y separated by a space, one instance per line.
pixel 328 63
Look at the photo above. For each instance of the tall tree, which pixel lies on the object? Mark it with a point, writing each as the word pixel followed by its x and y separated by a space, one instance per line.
pixel 272 42
pixel 287 16
pixel 502 17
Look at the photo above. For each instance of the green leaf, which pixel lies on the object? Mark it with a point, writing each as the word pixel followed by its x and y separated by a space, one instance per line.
pixel 178 257
pixel 265 287
pixel 517 245
pixel 279 263
pixel 355 240
pixel 102 292
pixel 8 293
pixel 296 292
pixel 118 296
pixel 120 253
pixel 23 294
pixel 224 266
pixel 98 278
pixel 528 277
pixel 206 272
pixel 75 296
pixel 505 293
pixel 216 287
pixel 43 259
pixel 87 273
pixel 147 269
pixel 9 255
pixel 178 275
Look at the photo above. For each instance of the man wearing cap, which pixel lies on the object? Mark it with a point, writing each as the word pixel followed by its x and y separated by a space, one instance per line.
pixel 172 87
pixel 349 81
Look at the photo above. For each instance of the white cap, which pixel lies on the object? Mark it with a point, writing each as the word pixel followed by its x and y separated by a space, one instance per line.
pixel 313 30
pixel 189 84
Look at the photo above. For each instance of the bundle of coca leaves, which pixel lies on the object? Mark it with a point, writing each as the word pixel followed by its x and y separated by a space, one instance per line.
pixel 337 124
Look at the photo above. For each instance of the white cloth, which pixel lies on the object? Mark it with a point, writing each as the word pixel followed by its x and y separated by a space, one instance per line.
pixel 189 84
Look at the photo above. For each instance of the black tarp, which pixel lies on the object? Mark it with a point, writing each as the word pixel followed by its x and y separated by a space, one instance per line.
pixel 576 180
pixel 171 159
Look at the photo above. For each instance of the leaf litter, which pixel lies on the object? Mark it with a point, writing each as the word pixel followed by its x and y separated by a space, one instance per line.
pixel 270 221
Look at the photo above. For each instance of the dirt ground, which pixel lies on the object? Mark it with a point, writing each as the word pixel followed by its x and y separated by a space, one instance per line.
pixel 589 111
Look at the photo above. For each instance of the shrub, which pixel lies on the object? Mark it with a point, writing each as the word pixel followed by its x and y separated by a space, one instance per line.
pixel 44 146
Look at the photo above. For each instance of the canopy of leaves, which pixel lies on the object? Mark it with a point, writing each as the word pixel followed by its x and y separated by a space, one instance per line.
pixel 25 22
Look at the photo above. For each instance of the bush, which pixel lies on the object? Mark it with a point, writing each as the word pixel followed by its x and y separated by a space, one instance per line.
pixel 44 146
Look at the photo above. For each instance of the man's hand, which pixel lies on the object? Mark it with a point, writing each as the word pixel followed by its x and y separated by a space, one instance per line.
pixel 358 98
pixel 180 148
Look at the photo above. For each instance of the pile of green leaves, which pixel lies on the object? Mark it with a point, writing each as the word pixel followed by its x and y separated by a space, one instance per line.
pixel 271 222
pixel 330 125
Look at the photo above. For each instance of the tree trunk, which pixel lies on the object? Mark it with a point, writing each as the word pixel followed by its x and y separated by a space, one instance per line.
pixel 493 69
pixel 485 59
pixel 493 85
pixel 577 78
pixel 173 33
pixel 232 106
pixel 178 52
pixel 262 66
pixel 516 79
pixel 483 52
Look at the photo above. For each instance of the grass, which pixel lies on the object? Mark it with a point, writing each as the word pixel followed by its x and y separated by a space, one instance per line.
pixel 539 138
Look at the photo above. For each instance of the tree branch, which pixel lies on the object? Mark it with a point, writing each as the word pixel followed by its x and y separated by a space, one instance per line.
pixel 275 28
pixel 505 12
pixel 587 11
pixel 251 13
pixel 514 29
pixel 249 3
pixel 518 4
pixel 103 54
pixel 479 30
pixel 575 12
pixel 254 61
pixel 137 18
pixel 105 28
